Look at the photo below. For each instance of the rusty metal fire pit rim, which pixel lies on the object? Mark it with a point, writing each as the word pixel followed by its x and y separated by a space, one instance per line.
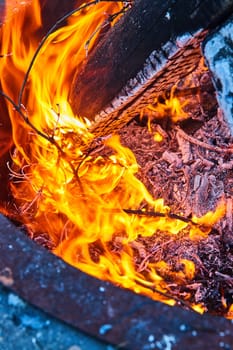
pixel 96 307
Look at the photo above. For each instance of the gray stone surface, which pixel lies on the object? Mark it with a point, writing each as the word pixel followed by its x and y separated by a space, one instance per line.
pixel 23 327
pixel 218 51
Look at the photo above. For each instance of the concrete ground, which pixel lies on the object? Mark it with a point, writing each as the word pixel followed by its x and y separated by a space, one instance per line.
pixel 23 327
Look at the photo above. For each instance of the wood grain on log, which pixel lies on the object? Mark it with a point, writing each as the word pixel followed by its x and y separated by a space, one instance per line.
pixel 149 50
pixel 165 72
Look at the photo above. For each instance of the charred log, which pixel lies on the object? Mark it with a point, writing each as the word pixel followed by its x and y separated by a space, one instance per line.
pixel 51 11
pixel 158 30
pixel 54 10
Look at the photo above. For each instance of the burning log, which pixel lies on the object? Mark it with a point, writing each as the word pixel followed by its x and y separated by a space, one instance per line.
pixel 52 11
pixel 148 51
pixel 97 214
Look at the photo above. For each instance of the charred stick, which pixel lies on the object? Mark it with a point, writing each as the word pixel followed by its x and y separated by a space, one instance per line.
pixel 158 214
pixel 225 277
pixel 168 296
pixel 19 106
pixel 106 23
pixel 43 135
pixel 202 144
pixel 50 31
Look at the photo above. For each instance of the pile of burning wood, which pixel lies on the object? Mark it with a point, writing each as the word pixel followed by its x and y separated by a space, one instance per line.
pixel 150 209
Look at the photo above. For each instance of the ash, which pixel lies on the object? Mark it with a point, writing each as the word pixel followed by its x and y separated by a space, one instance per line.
pixel 192 169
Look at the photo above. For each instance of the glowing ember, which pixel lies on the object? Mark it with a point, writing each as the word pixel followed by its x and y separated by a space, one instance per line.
pixel 82 201
pixel 171 106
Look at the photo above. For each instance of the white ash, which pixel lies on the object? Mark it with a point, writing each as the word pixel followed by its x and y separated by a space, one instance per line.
pixel 153 65
pixel 218 51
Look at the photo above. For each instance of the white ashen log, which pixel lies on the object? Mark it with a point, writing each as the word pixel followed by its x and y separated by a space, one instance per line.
pixel 218 51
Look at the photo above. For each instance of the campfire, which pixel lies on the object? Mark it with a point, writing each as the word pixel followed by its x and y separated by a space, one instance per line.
pixel 147 206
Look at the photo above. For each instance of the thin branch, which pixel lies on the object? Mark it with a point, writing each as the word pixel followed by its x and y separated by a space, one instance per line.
pixel 100 27
pixel 225 277
pixel 27 121
pixel 90 149
pixel 51 30
pixel 40 133
pixel 202 144
pixel 18 107
pixel 167 295
pixel 104 24
pixel 158 214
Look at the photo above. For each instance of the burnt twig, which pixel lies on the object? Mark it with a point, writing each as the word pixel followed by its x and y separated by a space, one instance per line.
pixel 18 106
pixel 168 296
pixel 202 144
pixel 39 132
pixel 158 214
pixel 55 26
pixel 224 277
pixel 108 21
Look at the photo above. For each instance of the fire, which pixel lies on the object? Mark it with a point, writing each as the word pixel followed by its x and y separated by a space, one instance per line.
pixel 164 106
pixel 170 106
pixel 167 106
pixel 81 201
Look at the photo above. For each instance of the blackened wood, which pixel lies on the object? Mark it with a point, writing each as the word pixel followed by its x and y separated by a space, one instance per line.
pixel 148 26
pixel 6 143
pixel 51 10
pixel 1 10
pixel 162 71
pixel 96 307
pixel 54 10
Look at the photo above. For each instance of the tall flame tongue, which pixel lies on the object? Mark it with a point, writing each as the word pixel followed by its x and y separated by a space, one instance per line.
pixel 85 207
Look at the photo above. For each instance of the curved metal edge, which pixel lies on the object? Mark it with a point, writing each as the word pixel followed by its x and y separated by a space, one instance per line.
pixel 93 306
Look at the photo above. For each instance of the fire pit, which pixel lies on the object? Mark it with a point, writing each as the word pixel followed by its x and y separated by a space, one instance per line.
pixel 162 229
pixel 114 315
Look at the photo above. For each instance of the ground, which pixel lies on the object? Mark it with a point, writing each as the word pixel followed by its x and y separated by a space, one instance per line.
pixel 23 327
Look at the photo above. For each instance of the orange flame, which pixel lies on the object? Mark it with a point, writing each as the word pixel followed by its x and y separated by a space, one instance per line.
pixel 77 202
pixel 162 107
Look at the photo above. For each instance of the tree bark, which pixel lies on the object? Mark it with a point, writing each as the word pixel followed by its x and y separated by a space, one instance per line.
pixel 159 26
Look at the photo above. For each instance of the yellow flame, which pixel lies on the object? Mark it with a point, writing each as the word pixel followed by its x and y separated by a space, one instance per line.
pixel 158 137
pixel 80 201
pixel 170 107
pixel 230 313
